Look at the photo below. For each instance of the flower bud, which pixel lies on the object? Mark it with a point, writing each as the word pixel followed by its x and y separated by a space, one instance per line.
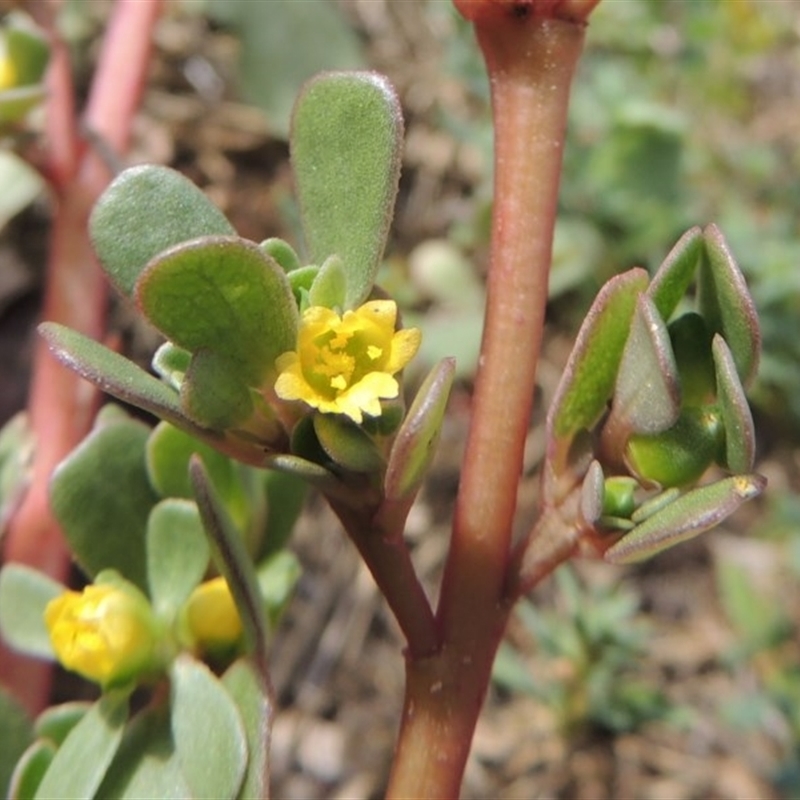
pixel 106 633
pixel 210 617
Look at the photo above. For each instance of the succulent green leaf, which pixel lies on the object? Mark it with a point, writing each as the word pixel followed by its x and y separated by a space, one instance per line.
pixel 347 444
pixel 207 730
pixel 674 276
pixel 17 102
pixel 16 735
pixel 285 497
pixel 116 375
pixel 56 722
pixel 346 139
pixel 691 344
pixel 147 764
pixel 415 444
pixel 654 504
pixel 231 558
pixel 171 363
pixel 692 514
pixel 17 446
pixel 282 252
pixel 29 770
pixel 679 455
pixel 24 593
pixel 592 493
pixel 330 285
pixel 144 211
pixel 213 392
pixel 177 554
pixel 619 496
pixel 225 295
pixel 168 452
pixel 27 47
pixel 647 393
pixel 102 498
pixel 301 281
pixel 277 577
pixel 726 304
pixel 303 468
pixel 740 435
pixel 79 765
pixel 588 380
pixel 252 698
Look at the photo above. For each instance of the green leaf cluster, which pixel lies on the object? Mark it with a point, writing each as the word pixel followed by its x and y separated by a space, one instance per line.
pixel 652 396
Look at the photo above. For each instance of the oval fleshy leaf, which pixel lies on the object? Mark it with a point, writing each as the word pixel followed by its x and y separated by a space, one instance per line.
pixel 300 467
pixel 144 211
pixel 415 444
pixel 56 722
pixel 588 380
pixel 347 444
pixel 147 764
pixel 592 494
pixel 251 696
pixel 225 295
pixel 24 593
pixel 647 395
pixel 727 306
pixel 171 363
pixel 105 520
pixel 208 731
pixel 691 345
pixel 282 252
pixel 213 392
pixel 168 452
pixel 115 374
pixel 79 765
pixel 686 517
pixel 346 140
pixel 30 769
pixel 676 272
pixel 679 455
pixel 177 554
pixel 740 435
pixel 16 737
pixel 330 285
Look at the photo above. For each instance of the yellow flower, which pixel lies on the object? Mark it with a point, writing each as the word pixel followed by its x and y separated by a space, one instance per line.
pixel 107 632
pixel 345 365
pixel 211 617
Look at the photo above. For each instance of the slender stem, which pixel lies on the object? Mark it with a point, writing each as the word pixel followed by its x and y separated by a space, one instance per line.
pixel 531 62
pixel 61 405
pixel 380 542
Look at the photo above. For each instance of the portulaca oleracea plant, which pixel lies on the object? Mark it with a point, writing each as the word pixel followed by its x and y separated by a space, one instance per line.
pixel 280 371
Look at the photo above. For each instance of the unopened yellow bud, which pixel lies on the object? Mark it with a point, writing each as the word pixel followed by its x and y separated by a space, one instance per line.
pixel 107 632
pixel 211 617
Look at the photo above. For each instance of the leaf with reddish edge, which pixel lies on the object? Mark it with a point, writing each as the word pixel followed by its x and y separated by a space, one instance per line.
pixel 346 142
pixel 347 443
pixel 144 211
pixel 104 520
pixel 588 380
pixel 726 304
pixel 225 295
pixel 647 395
pixel 116 375
pixel 676 272
pixel 415 443
pixel 689 515
pixel 740 435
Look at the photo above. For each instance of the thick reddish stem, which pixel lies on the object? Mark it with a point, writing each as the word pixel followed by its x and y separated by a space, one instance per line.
pixel 531 61
pixel 61 405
